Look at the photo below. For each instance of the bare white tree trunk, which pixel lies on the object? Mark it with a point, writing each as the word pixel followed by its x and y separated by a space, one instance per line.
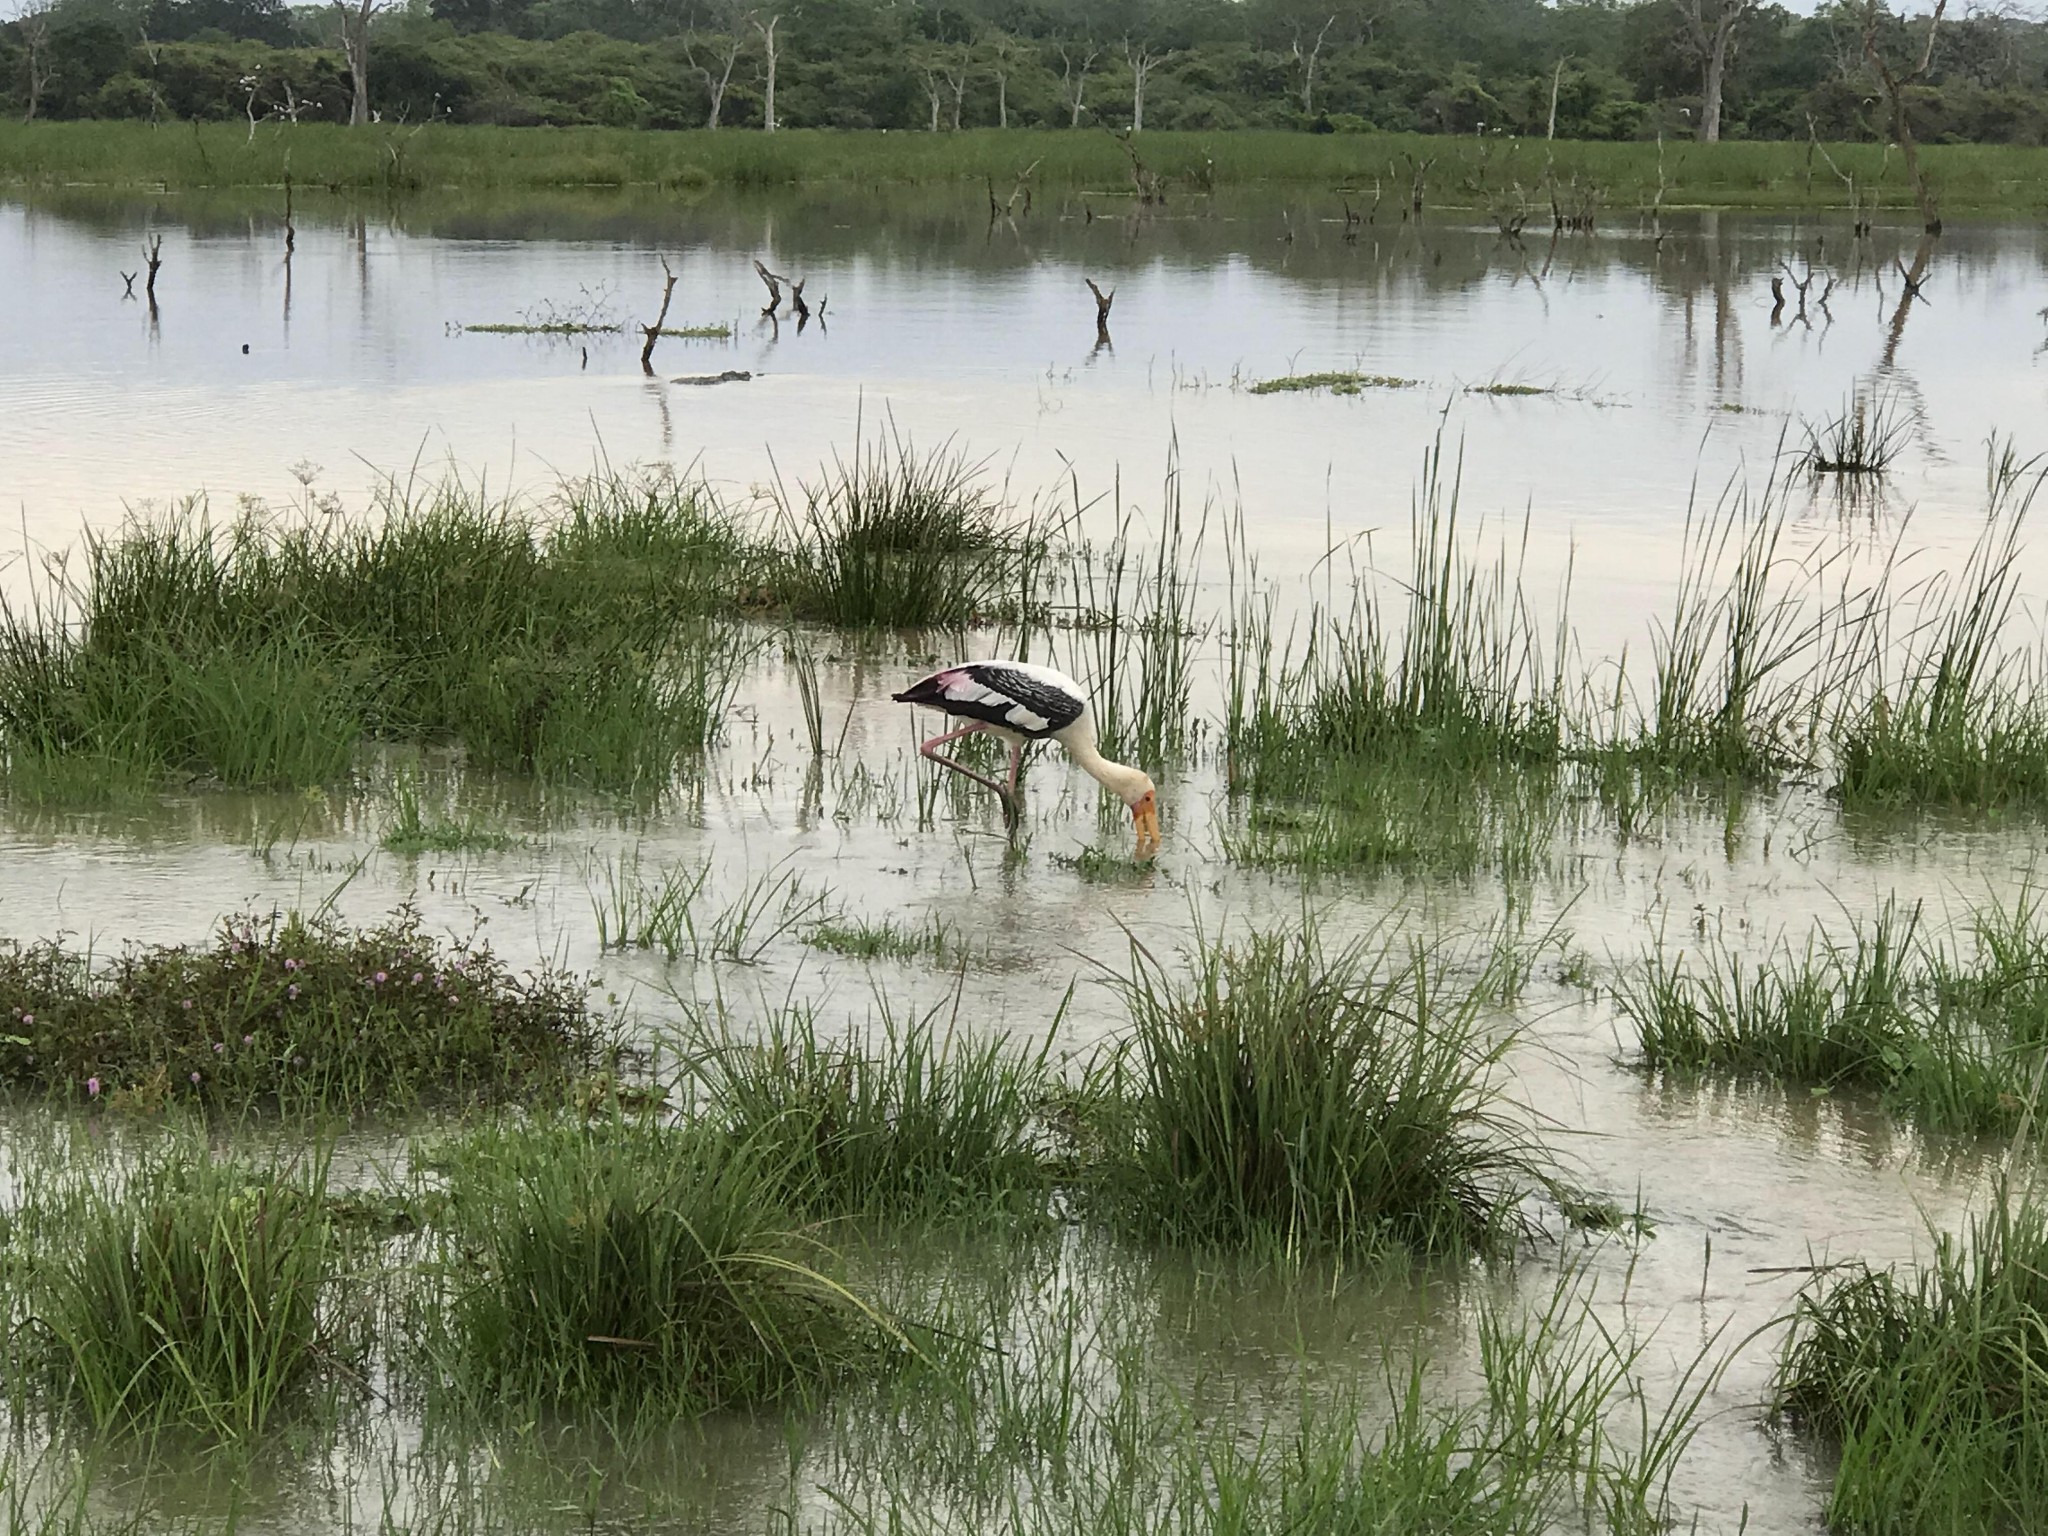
pixel 1308 62
pixel 1142 61
pixel 1556 80
pixel 723 50
pixel 355 44
pixel 35 37
pixel 768 62
pixel 1074 82
pixel 1710 27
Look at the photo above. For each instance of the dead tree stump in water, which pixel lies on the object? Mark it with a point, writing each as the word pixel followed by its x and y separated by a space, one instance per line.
pixel 797 306
pixel 774 287
pixel 153 254
pixel 653 332
pixel 1102 304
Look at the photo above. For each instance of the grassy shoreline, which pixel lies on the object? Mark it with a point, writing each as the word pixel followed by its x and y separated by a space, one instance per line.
pixel 1465 172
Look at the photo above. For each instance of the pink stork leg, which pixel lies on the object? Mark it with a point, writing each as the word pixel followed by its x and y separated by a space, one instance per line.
pixel 1008 795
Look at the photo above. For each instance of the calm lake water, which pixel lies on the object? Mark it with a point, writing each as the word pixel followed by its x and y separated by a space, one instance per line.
pixel 1659 372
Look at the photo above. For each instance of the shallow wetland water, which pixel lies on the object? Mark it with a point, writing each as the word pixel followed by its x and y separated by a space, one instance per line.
pixel 1647 371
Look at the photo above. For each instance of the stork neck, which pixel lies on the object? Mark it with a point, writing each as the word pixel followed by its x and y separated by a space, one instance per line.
pixel 1119 779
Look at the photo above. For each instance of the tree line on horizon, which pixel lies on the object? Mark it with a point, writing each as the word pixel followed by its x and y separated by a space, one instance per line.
pixel 1599 69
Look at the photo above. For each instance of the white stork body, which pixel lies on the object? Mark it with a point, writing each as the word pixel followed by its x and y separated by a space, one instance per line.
pixel 1020 702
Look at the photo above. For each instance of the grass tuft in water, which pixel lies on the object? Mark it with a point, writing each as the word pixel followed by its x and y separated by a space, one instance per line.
pixel 415 828
pixel 1947 716
pixel 566 639
pixel 296 1013
pixel 183 1290
pixel 585 1263
pixel 903 1118
pixel 885 938
pixel 1293 1098
pixel 1866 439
pixel 1955 1035
pixel 1932 1386
pixel 900 538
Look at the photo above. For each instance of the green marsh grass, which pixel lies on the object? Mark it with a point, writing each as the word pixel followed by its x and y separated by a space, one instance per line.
pixel 1453 686
pixel 907 1117
pixel 185 1291
pixel 589 1262
pixel 668 911
pixel 1335 383
pixel 1135 629
pixel 902 538
pixel 1947 714
pixel 1865 439
pixel 298 1014
pixel 414 828
pixel 395 158
pixel 1295 1098
pixel 885 938
pixel 1931 1387
pixel 1953 1034
pixel 568 639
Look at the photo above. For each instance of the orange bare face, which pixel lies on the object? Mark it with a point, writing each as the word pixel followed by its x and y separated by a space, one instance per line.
pixel 1145 817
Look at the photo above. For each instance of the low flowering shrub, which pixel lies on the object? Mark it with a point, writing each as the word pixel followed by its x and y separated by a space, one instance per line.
pixel 295 1013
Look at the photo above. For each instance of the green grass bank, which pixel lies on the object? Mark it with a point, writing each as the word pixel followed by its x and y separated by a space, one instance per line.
pixel 1463 171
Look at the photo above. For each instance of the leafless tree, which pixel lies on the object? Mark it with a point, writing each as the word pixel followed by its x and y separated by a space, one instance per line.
pixel 1710 28
pixel 721 52
pixel 1895 83
pixel 1074 79
pixel 355 44
pixel 34 26
pixel 946 68
pixel 1556 81
pixel 1142 61
pixel 1003 52
pixel 1309 60
pixel 769 59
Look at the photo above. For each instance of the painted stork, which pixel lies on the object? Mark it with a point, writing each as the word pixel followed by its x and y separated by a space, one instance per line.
pixel 1020 703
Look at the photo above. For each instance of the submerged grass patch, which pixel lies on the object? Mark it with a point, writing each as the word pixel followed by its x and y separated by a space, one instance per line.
pixel 1932 1386
pixel 885 938
pixel 1335 383
pixel 1290 1097
pixel 295 1013
pixel 183 1291
pixel 1954 1035
pixel 621 1258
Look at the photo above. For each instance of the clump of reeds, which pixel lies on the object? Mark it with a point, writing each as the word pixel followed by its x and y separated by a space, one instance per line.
pixel 567 639
pixel 1289 1096
pixel 586 1261
pixel 1453 688
pixel 1946 714
pixel 1955 1035
pixel 1136 629
pixel 1932 1386
pixel 294 1012
pixel 1866 439
pixel 901 538
pixel 905 1117
pixel 182 1290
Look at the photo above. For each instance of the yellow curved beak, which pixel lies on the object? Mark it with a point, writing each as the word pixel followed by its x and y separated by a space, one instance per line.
pixel 1145 817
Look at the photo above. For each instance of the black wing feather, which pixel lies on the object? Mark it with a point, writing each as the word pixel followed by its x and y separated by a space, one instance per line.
pixel 1007 693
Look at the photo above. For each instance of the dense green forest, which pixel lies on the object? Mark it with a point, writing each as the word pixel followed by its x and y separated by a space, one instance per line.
pixel 1594 69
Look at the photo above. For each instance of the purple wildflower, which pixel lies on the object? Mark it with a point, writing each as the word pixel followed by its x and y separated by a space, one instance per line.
pixel 92 1087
